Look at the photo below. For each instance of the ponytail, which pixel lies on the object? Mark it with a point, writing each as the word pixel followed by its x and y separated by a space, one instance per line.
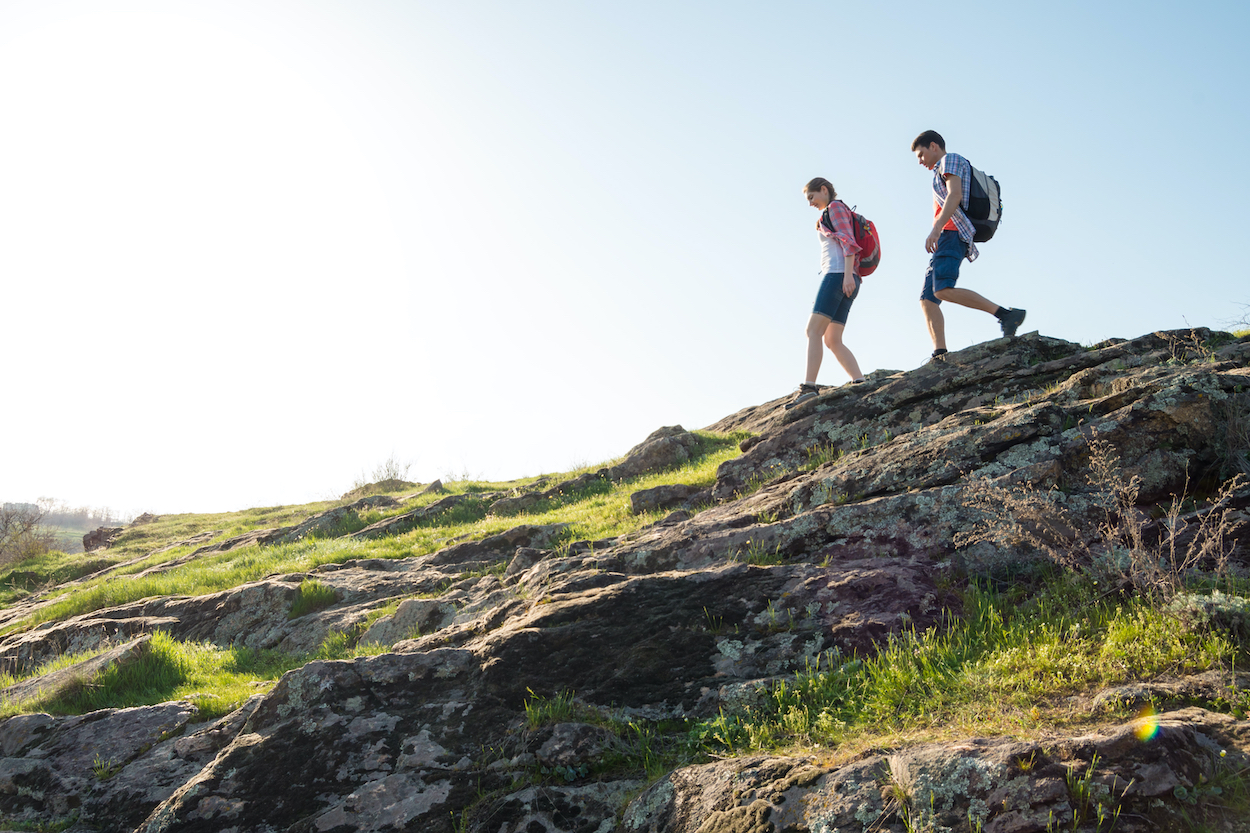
pixel 818 183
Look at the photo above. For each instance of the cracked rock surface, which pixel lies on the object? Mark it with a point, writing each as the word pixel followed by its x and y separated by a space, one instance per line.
pixel 833 530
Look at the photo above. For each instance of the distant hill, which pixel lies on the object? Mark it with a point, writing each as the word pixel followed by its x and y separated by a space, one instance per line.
pixel 68 524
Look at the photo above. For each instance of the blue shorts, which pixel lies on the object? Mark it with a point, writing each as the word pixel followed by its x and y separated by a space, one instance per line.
pixel 831 301
pixel 944 265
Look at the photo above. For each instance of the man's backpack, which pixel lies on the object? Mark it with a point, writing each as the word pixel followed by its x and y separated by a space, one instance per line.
pixel 866 238
pixel 985 205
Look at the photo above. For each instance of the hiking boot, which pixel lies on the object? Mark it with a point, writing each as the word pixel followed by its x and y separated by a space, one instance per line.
pixel 938 357
pixel 804 393
pixel 1011 321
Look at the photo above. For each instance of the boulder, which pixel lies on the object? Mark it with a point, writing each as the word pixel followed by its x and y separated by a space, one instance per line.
pixel 663 448
pixel 101 537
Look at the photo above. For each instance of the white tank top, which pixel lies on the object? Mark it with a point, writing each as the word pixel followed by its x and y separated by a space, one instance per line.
pixel 832 257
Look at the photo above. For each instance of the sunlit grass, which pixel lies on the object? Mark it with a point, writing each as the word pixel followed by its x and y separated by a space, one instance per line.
pixel 216 680
pixel 312 596
pixel 602 513
pixel 47 569
pixel 1001 668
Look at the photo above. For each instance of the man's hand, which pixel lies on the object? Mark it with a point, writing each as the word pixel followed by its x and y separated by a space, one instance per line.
pixel 954 193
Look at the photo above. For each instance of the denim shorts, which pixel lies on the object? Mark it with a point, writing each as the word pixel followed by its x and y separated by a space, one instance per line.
pixel 831 301
pixel 944 265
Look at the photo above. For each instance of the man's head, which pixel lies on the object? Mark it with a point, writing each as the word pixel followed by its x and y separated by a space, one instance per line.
pixel 927 138
pixel 929 148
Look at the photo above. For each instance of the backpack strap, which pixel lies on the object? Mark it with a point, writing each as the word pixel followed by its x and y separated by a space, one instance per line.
pixel 826 220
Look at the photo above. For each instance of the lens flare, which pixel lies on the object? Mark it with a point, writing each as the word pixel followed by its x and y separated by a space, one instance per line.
pixel 1147 724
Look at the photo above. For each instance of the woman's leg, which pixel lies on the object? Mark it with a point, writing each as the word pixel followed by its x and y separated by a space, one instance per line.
pixel 816 327
pixel 833 338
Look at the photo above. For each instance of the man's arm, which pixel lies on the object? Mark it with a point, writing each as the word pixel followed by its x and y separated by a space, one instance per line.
pixel 954 193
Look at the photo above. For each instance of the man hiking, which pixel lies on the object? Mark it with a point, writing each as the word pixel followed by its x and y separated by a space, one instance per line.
pixel 950 242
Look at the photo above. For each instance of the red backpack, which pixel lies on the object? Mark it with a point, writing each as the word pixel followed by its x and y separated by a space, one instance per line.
pixel 866 238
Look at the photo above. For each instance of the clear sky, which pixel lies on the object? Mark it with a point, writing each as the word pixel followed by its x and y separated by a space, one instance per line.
pixel 251 250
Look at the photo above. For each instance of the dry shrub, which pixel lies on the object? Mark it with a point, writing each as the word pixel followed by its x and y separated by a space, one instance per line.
pixel 1157 558
pixel 22 534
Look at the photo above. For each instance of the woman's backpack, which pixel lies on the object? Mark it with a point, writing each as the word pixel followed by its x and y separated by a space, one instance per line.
pixel 866 238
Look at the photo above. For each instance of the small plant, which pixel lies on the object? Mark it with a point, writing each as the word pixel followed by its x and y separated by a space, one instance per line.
pixel 567 773
pixel 770 517
pixel 104 769
pixel 818 455
pixel 1091 801
pixel 761 479
pixel 540 711
pixel 1188 347
pixel 311 597
pixel 760 555
pixel 898 802
pixel 389 469
pixel 715 622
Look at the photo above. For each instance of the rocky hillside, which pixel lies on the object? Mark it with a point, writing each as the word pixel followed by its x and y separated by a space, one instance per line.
pixel 521 681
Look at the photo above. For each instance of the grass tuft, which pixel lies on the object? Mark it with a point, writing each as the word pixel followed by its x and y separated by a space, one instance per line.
pixel 311 597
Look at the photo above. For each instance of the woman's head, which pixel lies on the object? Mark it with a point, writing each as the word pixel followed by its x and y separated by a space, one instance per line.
pixel 820 192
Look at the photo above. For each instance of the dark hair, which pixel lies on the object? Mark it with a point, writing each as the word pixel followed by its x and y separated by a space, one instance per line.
pixel 818 183
pixel 927 138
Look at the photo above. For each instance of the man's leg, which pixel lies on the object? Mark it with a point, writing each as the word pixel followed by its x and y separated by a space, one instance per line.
pixel 967 298
pixel 937 323
pixel 833 338
pixel 1009 319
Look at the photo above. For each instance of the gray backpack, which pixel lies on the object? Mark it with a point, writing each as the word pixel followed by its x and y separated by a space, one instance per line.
pixel 985 205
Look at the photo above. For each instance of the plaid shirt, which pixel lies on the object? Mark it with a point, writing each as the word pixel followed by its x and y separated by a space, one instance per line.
pixel 956 165
pixel 836 225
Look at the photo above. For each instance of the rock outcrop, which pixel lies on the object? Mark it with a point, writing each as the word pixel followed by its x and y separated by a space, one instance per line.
pixel 100 537
pixel 837 527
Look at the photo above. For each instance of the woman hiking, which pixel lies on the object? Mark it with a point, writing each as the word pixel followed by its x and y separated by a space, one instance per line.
pixel 839 261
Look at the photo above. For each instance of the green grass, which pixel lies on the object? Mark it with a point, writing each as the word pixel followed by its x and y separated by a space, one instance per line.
pixel 312 596
pixel 592 514
pixel 559 708
pixel 217 680
pixel 1003 667
pixel 48 569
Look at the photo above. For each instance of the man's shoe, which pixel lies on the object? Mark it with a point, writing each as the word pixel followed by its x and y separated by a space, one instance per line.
pixel 1011 321
pixel 804 393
